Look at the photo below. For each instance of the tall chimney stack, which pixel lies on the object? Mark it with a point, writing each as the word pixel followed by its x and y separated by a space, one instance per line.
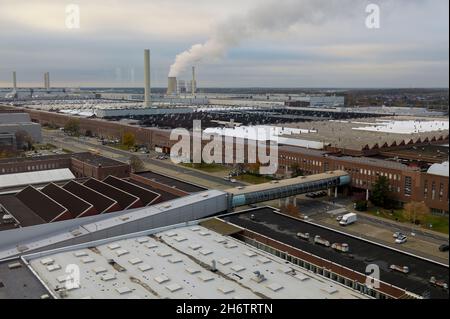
pixel 47 81
pixel 194 81
pixel 14 81
pixel 147 97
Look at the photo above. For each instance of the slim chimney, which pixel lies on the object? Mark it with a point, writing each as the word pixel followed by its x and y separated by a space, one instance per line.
pixel 48 81
pixel 147 97
pixel 194 84
pixel 14 81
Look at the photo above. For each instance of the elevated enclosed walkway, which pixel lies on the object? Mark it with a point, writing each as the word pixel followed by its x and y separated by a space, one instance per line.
pixel 241 196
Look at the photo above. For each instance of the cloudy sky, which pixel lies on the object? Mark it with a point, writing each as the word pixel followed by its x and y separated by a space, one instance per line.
pixel 268 43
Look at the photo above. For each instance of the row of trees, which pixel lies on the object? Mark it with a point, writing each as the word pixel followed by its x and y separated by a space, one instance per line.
pixel 415 212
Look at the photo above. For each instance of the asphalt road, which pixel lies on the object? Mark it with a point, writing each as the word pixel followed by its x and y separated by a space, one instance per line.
pixel 78 145
pixel 317 209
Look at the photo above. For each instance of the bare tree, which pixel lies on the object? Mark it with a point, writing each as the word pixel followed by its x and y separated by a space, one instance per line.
pixel 416 211
pixel 23 140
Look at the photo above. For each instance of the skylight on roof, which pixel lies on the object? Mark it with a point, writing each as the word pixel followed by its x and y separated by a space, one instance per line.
pixel 80 254
pixel 250 254
pixel 161 279
pixel 113 246
pixel 108 277
pixel 174 287
pixel 171 234
pixel 195 246
pixel 205 277
pixel 224 261
pixel 204 233
pixel 330 290
pixel 226 290
pixel 205 252
pixel 175 260
pixel 122 252
pixel 53 267
pixel 164 253
pixel 87 260
pixel 264 260
pixel 180 239
pixel 145 267
pixel 123 290
pixel 192 271
pixel 275 287
pixel 135 261
pixel 99 270
pixel 142 240
pixel 47 261
pixel 238 268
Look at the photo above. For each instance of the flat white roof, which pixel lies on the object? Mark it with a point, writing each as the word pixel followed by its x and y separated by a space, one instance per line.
pixel 162 266
pixel 38 177
pixel 406 127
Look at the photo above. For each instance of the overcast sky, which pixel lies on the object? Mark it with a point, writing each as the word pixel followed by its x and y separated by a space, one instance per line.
pixel 411 49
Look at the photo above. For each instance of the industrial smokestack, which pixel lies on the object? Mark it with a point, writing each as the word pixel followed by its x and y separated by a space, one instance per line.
pixel 147 97
pixel 14 81
pixel 194 81
pixel 172 86
pixel 47 81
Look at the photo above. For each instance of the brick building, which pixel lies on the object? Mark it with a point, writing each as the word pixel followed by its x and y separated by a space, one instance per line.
pixel 407 183
pixel 81 164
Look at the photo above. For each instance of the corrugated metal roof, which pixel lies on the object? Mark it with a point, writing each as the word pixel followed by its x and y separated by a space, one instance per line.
pixel 38 177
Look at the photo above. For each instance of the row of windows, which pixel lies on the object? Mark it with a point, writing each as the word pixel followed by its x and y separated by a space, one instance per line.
pixel 433 191
pixel 300 160
pixel 30 168
pixel 368 172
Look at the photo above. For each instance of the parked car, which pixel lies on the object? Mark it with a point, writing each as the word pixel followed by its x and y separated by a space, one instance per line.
pixel 397 234
pixel 401 239
pixel 443 248
pixel 339 218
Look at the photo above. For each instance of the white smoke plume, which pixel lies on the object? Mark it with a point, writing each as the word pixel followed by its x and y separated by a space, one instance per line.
pixel 273 16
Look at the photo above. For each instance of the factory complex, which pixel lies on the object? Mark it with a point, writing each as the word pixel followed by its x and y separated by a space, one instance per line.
pixel 122 232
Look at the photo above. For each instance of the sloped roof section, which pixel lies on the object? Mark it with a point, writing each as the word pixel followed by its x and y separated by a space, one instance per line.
pixel 32 178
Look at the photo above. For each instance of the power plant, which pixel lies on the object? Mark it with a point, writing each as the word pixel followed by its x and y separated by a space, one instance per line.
pixel 177 87
pixel 172 86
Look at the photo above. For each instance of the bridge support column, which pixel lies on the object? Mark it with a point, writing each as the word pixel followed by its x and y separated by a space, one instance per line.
pixel 329 192
pixel 294 201
pixel 367 195
pixel 335 192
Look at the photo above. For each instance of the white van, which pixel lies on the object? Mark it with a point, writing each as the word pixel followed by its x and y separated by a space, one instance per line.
pixel 348 219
